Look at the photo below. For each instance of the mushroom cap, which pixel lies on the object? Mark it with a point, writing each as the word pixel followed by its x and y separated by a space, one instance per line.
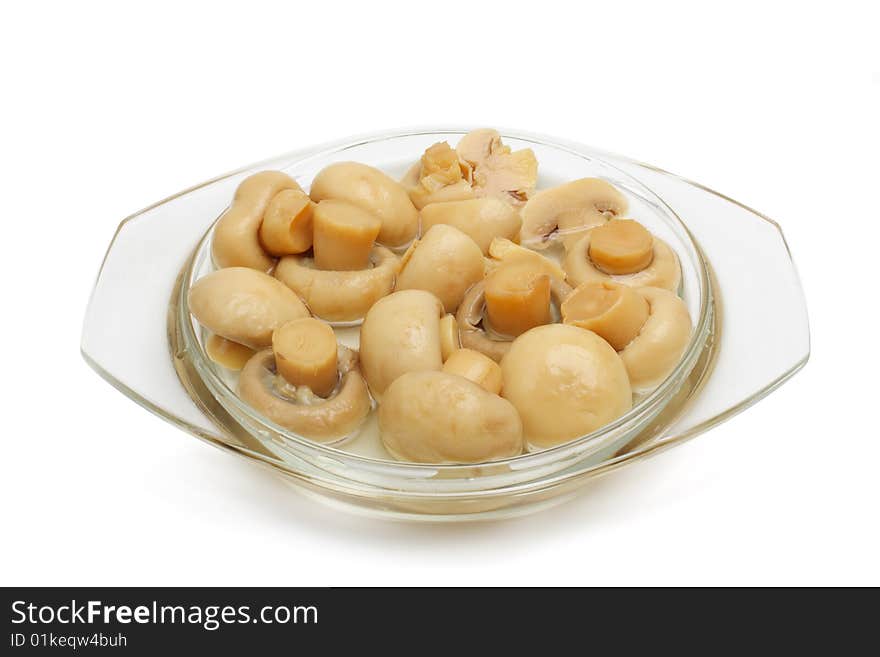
pixel 656 350
pixel 327 420
pixel 340 296
pixel 565 382
pixel 375 192
pixel 568 210
pixel 481 219
pixel 445 262
pixel 664 270
pixel 436 417
pixel 243 305
pixel 236 240
pixel 400 333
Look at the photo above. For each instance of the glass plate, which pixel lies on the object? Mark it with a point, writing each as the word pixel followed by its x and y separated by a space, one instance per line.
pixel 740 285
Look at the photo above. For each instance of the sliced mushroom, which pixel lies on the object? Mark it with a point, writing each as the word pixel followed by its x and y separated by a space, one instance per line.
pixel 340 296
pixel 565 382
pixel 566 211
pixel 652 354
pixel 373 191
pixel 663 269
pixel 243 305
pixel 401 333
pixel 300 411
pixel 436 417
pixel 511 176
pixel 440 175
pixel 481 219
pixel 236 240
pixel 472 328
pixel 504 251
pixel 445 262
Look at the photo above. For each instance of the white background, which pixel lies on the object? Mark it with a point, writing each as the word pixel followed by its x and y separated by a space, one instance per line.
pixel 107 108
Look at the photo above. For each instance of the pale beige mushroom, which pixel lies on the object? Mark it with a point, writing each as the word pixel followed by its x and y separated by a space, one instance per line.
pixel 565 382
pixel 400 333
pixel 227 353
pixel 474 332
pixel 517 298
pixel 481 219
pixel 566 211
pixel 652 354
pixel 373 191
pixel 663 269
pixel 504 251
pixel 340 296
pixel 298 409
pixel 343 236
pixel 236 240
pixel 445 262
pixel 440 175
pixel 243 305
pixel 511 176
pixel 436 417
pixel 287 223
pixel 305 354
pixel 475 367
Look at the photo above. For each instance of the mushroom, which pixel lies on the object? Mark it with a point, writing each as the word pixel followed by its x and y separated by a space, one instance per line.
pixel 445 262
pixel 475 367
pixel 481 219
pixel 287 223
pixel 305 354
pixel 236 239
pixel 436 417
pixel 298 409
pixel 565 382
pixel 440 175
pixel 243 305
pixel 401 333
pixel 514 308
pixel 623 251
pixel 340 296
pixel 373 191
pixel 227 353
pixel 649 327
pixel 497 171
pixel 568 210
pixel 343 236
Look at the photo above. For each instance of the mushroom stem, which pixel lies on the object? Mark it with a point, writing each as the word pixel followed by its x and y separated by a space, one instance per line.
pixel 517 298
pixel 475 367
pixel 622 246
pixel 449 340
pixel 344 236
pixel 615 312
pixel 305 354
pixel 287 223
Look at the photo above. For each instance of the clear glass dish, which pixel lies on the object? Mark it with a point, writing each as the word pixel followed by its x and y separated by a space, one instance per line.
pixel 736 269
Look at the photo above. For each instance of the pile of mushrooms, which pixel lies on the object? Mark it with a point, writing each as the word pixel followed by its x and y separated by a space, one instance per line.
pixel 477 340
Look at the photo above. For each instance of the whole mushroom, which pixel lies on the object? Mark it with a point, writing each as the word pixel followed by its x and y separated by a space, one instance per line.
pixel 565 382
pixel 400 334
pixel 373 191
pixel 445 262
pixel 481 219
pixel 437 417
pixel 243 305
